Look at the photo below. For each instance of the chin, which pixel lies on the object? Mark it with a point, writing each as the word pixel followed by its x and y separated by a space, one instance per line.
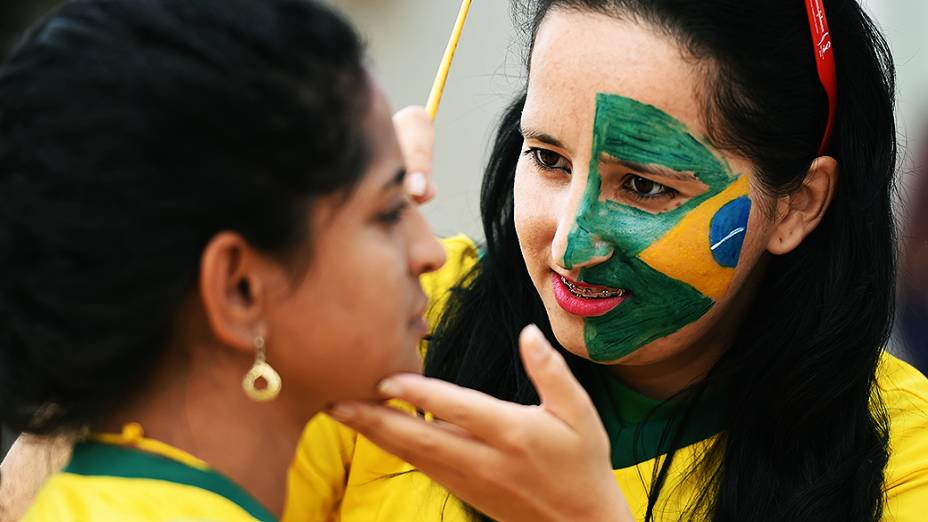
pixel 411 361
pixel 569 334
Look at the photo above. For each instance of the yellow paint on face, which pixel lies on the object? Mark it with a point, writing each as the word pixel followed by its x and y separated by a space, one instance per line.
pixel 684 253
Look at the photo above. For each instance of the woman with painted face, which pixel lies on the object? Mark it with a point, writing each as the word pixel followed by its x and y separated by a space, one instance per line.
pixel 199 201
pixel 693 200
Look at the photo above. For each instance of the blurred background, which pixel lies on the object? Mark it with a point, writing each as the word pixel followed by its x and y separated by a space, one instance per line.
pixel 406 39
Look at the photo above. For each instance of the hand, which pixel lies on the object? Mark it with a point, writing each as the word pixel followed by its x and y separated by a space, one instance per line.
pixel 512 462
pixel 416 134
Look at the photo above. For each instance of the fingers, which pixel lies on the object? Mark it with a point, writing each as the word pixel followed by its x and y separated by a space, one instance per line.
pixel 428 446
pixel 471 410
pixel 559 390
pixel 416 134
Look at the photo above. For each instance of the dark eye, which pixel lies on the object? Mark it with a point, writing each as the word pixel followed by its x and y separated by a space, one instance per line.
pixel 645 187
pixel 550 160
pixel 394 215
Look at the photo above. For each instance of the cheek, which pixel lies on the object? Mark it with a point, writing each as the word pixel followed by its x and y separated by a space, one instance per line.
pixel 347 324
pixel 369 297
pixel 534 212
pixel 759 230
pixel 705 247
pixel 724 315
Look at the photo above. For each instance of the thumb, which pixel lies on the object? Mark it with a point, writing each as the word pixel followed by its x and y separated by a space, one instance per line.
pixel 561 394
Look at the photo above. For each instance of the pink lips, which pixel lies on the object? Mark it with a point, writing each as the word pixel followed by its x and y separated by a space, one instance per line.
pixel 581 306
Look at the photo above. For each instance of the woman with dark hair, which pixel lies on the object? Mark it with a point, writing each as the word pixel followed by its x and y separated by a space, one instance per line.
pixel 693 200
pixel 199 199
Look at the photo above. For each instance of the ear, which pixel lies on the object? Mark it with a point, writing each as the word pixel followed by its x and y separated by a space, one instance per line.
pixel 234 279
pixel 801 211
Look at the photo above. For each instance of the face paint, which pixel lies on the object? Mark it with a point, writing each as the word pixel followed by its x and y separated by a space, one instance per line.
pixel 676 263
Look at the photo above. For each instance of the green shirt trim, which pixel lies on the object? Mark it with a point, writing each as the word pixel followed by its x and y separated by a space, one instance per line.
pixel 110 460
pixel 641 428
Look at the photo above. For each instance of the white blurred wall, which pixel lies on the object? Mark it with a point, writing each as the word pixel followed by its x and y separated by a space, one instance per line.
pixel 407 38
pixel 905 23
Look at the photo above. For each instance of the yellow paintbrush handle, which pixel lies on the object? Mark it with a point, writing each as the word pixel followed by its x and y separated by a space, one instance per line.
pixel 439 86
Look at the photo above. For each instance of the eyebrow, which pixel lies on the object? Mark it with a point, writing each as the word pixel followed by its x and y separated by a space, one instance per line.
pixel 655 170
pixel 533 134
pixel 395 181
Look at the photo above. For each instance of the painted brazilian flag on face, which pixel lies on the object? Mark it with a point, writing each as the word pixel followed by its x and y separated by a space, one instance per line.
pixel 675 262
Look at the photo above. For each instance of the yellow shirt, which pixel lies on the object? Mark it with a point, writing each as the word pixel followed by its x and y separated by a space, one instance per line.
pixel 141 480
pixel 340 476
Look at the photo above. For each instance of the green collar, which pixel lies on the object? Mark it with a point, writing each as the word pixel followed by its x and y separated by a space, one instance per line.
pixel 641 428
pixel 111 460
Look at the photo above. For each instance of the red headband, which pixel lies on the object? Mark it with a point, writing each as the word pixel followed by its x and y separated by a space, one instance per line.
pixel 825 63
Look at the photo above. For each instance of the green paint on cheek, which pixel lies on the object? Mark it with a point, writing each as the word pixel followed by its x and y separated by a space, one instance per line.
pixel 630 131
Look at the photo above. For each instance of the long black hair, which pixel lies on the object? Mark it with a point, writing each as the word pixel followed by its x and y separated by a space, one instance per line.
pixel 806 435
pixel 16 15
pixel 131 133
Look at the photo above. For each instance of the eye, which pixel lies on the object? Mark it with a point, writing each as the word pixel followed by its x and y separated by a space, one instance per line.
pixel 394 215
pixel 646 188
pixel 549 160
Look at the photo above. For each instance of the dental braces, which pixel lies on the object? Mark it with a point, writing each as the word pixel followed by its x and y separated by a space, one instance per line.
pixel 588 293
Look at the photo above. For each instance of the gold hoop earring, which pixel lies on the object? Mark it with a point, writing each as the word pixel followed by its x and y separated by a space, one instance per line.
pixel 261 370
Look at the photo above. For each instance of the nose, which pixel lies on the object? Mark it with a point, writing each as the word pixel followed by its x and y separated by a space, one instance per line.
pixel 576 245
pixel 426 253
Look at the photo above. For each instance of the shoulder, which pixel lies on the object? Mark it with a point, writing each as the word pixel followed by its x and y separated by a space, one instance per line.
pixel 904 392
pixel 317 476
pixel 462 255
pixel 339 475
pixel 68 497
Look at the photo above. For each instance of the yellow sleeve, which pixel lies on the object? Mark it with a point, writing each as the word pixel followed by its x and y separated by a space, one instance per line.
pixel 905 393
pixel 462 256
pixel 321 467
pixel 317 477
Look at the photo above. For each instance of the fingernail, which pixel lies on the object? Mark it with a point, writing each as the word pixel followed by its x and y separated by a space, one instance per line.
pixel 343 412
pixel 389 388
pixel 417 184
pixel 536 341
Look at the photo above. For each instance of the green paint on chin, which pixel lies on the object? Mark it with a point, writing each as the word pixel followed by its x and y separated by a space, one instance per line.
pixel 658 306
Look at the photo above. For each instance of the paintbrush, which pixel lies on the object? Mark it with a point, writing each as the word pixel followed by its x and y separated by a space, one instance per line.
pixel 439 86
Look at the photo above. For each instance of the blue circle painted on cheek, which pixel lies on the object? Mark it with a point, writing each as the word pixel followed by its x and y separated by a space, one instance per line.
pixel 727 230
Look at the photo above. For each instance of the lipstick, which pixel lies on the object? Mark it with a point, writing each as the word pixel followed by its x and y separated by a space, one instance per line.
pixel 596 300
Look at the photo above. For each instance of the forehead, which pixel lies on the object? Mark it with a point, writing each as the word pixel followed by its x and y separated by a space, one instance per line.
pixel 381 135
pixel 385 158
pixel 578 55
pixel 384 164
